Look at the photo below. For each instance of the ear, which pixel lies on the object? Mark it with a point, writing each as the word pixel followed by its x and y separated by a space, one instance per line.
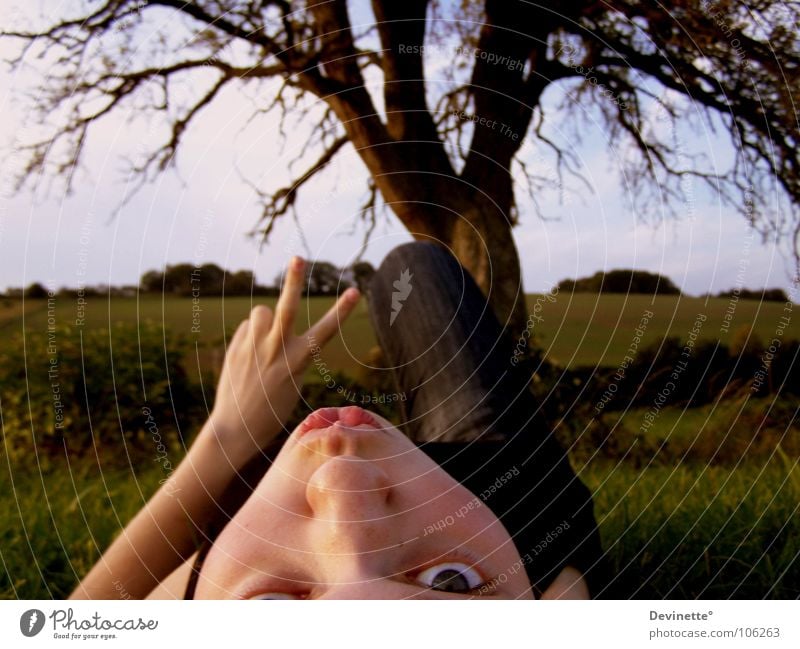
pixel 569 584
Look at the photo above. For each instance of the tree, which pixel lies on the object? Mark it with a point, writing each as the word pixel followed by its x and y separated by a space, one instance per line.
pixel 443 155
pixel 35 291
pixel 241 282
pixel 362 272
pixel 766 295
pixel 152 281
pixel 188 280
pixel 322 278
pixel 621 281
pixel 208 279
pixel 175 278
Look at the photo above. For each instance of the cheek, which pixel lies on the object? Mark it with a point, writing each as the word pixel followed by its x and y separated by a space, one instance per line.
pixel 446 506
pixel 281 492
pixel 273 515
pixel 278 508
pixel 453 512
pixel 256 531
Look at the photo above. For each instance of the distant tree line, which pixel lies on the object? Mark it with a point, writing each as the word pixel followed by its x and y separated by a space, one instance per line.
pixel 187 280
pixel 37 290
pixel 767 295
pixel 641 281
pixel 325 278
pixel 621 281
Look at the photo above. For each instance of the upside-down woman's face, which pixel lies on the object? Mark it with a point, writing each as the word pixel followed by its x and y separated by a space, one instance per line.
pixel 351 509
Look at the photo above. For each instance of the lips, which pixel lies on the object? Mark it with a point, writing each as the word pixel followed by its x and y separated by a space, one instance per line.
pixel 348 417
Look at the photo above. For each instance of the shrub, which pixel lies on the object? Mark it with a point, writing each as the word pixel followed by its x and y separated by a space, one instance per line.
pixel 36 291
pixel 624 281
pixel 120 393
pixel 765 295
pixel 660 371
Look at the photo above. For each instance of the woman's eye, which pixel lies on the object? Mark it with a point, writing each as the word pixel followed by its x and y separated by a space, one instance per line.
pixel 451 577
pixel 274 596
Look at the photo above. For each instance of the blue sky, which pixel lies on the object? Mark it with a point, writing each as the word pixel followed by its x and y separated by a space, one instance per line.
pixel 204 216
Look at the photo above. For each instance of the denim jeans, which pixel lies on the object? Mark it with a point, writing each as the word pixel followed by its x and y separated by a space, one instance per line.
pixel 446 349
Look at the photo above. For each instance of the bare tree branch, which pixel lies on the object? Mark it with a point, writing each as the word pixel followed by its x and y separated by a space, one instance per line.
pixel 278 202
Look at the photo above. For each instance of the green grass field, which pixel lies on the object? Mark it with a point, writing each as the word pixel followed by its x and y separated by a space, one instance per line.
pixel 715 517
pixel 692 530
pixel 585 329
pixel 577 329
pixel 675 532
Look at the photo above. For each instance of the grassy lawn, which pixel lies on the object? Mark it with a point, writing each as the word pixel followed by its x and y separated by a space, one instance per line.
pixel 724 432
pixel 586 329
pixel 55 523
pixel 693 530
pixel 575 329
pixel 716 516
pixel 670 532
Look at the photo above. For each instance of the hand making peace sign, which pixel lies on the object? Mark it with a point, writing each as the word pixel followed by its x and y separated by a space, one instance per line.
pixel 264 365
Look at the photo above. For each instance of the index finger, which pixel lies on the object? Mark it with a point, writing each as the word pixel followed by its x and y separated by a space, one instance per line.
pixel 325 328
pixel 286 309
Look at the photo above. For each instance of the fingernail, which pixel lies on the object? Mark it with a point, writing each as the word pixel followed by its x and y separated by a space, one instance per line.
pixel 352 294
pixel 297 263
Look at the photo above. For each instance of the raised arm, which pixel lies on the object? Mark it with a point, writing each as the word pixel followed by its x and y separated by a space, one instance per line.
pixel 258 388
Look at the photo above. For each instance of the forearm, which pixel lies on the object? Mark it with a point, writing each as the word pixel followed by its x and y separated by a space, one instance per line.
pixel 257 391
pixel 166 531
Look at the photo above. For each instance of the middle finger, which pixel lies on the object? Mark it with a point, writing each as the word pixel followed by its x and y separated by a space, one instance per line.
pixel 289 300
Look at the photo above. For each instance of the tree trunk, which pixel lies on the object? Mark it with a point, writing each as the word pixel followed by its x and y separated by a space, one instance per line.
pixel 469 215
pixel 479 235
pixel 485 246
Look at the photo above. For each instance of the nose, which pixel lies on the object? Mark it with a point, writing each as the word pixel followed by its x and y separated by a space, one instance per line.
pixel 354 526
pixel 353 518
pixel 349 489
pixel 356 522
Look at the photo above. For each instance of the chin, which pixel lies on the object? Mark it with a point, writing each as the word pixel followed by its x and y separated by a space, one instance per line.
pixel 345 417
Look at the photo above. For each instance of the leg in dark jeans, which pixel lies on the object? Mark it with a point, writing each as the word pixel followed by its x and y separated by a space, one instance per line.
pixel 445 347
